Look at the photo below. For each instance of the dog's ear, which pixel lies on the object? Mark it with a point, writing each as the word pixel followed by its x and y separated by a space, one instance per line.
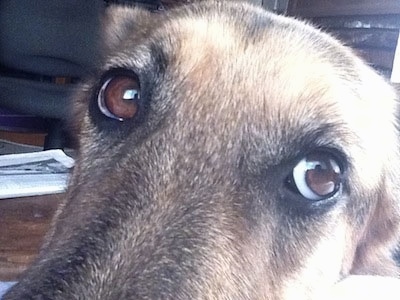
pixel 121 22
pixel 378 249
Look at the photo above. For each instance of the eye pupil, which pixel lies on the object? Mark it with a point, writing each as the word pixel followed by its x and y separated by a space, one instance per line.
pixel 317 176
pixel 118 97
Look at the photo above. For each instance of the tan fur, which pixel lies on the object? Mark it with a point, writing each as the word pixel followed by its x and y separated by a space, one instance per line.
pixel 190 202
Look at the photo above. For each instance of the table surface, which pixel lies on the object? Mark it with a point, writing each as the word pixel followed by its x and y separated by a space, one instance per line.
pixel 24 222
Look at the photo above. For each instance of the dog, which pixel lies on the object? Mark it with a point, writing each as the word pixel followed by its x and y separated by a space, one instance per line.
pixel 225 153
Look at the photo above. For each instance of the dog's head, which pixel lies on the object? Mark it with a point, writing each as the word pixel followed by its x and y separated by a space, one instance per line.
pixel 226 153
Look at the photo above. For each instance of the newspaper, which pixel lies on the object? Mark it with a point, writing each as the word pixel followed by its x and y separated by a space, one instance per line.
pixel 35 173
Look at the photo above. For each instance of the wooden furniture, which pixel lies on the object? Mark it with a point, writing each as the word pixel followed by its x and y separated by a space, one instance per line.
pixel 370 27
pixel 23 224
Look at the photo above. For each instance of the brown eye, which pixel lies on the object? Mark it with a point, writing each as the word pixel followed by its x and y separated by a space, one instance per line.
pixel 118 97
pixel 317 176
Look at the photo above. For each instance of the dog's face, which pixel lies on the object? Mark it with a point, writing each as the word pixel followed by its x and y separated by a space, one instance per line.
pixel 226 153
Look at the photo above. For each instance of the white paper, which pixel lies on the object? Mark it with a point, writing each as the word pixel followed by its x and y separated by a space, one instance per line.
pixel 35 173
pixel 395 77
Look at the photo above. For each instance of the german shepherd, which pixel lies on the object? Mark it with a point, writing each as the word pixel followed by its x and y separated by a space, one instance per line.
pixel 225 153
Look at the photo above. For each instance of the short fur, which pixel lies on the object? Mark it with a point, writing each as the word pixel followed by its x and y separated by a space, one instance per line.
pixel 190 199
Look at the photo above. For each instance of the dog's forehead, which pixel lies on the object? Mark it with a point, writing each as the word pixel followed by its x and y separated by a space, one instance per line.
pixel 258 59
pixel 274 72
pixel 259 67
pixel 280 68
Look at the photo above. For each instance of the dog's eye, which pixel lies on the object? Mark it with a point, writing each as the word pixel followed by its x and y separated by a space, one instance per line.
pixel 118 97
pixel 317 176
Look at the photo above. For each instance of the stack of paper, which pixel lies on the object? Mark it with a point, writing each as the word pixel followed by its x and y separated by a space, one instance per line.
pixel 36 173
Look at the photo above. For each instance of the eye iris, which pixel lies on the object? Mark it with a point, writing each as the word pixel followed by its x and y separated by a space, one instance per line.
pixel 118 97
pixel 323 180
pixel 317 176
